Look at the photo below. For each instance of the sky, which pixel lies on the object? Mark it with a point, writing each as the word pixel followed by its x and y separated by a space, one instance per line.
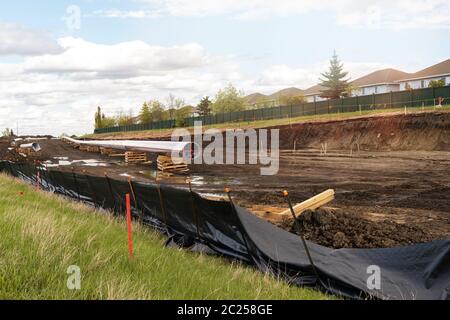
pixel 59 60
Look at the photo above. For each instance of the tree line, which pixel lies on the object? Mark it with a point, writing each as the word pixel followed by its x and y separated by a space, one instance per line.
pixel 335 85
pixel 228 99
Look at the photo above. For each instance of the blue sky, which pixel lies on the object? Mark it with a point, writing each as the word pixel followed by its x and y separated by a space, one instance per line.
pixel 126 52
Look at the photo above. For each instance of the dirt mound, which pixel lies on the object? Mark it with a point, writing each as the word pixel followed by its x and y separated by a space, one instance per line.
pixel 423 131
pixel 6 153
pixel 337 229
pixel 10 154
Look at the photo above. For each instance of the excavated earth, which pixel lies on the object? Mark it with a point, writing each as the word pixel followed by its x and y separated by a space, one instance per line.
pixel 394 191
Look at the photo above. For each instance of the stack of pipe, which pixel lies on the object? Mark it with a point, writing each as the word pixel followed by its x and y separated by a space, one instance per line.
pixel 183 148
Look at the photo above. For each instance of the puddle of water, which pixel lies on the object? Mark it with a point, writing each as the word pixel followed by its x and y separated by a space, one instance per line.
pixel 150 174
pixel 213 196
pixel 211 180
pixel 63 161
pixel 196 180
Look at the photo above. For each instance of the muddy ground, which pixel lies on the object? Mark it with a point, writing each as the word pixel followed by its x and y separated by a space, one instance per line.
pixel 384 197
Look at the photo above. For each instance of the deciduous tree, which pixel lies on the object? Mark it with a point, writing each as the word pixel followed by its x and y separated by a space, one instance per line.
pixel 228 99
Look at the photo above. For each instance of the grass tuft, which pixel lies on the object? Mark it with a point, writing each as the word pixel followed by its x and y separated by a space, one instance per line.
pixel 43 234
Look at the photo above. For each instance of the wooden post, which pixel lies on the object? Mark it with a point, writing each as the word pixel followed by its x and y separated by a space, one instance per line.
pixel 297 225
pixel 130 183
pixel 130 231
pixel 194 208
pixel 76 184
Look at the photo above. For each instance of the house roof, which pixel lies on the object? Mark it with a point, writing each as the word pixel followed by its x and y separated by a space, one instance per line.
pixel 314 90
pixel 255 98
pixel 384 76
pixel 288 92
pixel 439 69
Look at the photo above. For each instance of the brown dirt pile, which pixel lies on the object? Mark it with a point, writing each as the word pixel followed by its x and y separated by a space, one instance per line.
pixel 422 131
pixel 334 228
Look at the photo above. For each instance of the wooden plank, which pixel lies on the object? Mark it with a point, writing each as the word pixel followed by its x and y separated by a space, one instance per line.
pixel 135 157
pixel 106 151
pixel 171 165
pixel 93 149
pixel 313 203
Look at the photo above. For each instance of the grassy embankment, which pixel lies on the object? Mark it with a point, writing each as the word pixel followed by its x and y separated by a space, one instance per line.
pixel 266 123
pixel 42 235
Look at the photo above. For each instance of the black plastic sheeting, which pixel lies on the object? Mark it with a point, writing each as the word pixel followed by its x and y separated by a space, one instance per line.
pixel 413 272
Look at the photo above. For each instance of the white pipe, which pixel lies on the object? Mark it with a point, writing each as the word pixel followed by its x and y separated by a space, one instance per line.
pixel 35 146
pixel 137 145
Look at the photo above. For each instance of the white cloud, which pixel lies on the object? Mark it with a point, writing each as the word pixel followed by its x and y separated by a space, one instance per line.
pixel 119 60
pixel 55 93
pixel 278 77
pixel 124 14
pixel 372 13
pixel 18 40
pixel 59 92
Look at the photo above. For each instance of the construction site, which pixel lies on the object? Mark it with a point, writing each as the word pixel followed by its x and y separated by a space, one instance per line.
pixel 367 182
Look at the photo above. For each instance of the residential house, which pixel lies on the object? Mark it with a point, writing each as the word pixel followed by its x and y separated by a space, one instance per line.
pixel 380 81
pixel 421 79
pixel 313 94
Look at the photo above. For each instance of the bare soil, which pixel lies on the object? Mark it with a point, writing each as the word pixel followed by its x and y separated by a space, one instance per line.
pixel 394 191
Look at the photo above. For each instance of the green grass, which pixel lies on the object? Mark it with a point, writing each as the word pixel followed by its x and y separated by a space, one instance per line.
pixel 270 122
pixel 43 234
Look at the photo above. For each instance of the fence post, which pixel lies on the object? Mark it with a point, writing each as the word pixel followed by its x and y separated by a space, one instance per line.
pixel 286 195
pixel 194 209
pixel 110 190
pixel 94 196
pixel 129 225
pixel 76 184
pixel 390 99
pixel 161 201
pixel 130 183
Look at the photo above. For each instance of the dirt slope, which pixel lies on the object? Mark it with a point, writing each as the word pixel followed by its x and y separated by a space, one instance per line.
pixel 424 131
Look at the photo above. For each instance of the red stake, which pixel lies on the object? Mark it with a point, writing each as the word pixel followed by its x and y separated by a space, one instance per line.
pixel 130 231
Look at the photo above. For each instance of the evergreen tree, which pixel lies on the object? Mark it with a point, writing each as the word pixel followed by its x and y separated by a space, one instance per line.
pixel 145 115
pixel 335 82
pixel 204 107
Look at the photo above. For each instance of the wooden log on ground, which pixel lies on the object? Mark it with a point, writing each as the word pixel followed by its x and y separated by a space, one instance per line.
pixel 313 203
